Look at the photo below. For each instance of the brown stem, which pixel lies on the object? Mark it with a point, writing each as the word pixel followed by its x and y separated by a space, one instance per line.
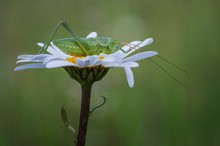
pixel 84 114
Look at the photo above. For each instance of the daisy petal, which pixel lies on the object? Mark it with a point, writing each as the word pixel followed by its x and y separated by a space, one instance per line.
pixel 140 56
pixel 92 59
pixel 80 62
pixel 30 66
pixel 58 63
pixel 130 46
pixel 130 64
pixel 146 42
pixel 117 55
pixel 112 58
pixel 40 44
pixel 26 56
pixel 126 64
pixel 129 76
pixel 92 35
pixel 22 61
pixel 41 57
pixel 106 61
pixel 58 51
pixel 138 46
pixel 54 50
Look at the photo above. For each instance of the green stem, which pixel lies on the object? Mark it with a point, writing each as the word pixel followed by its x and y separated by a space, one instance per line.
pixel 84 114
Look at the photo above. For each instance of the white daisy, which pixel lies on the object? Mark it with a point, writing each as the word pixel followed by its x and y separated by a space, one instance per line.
pixel 56 59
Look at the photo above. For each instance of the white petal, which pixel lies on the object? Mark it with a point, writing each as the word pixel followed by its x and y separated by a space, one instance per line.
pixel 126 64
pixel 33 58
pixel 92 35
pixel 26 56
pixel 49 49
pixel 130 64
pixel 40 56
pixel 117 55
pixel 129 47
pixel 140 56
pixel 88 61
pixel 129 76
pixel 138 46
pixel 146 42
pixel 106 61
pixel 92 60
pixel 110 59
pixel 22 61
pixel 40 44
pixel 81 62
pixel 59 52
pixel 29 66
pixel 58 63
pixel 54 50
pixel 51 58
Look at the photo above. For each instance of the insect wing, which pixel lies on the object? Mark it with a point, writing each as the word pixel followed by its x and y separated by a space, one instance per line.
pixel 69 46
pixel 103 41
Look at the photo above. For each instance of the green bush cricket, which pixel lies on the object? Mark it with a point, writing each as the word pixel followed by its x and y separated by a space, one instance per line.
pixel 82 46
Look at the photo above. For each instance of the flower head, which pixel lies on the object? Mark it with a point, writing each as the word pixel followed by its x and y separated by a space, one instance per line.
pixel 89 68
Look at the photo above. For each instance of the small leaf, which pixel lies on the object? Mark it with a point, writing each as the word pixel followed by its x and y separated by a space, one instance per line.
pixel 66 121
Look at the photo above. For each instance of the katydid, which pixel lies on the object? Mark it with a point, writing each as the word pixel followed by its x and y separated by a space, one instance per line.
pixel 82 46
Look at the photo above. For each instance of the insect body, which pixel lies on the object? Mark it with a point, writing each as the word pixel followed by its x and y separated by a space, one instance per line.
pixel 95 46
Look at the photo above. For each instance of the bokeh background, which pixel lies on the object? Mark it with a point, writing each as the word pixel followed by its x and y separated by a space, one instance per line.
pixel 156 112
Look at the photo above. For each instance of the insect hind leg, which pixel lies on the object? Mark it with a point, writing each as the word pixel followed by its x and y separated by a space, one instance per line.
pixel 79 42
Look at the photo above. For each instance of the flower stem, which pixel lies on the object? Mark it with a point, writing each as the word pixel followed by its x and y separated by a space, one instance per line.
pixel 84 114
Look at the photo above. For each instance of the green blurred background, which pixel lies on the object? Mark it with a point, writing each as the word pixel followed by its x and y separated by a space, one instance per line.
pixel 156 112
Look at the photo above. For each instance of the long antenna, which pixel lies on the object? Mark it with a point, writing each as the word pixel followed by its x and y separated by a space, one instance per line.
pixel 167 72
pixel 173 64
pixel 181 69
pixel 189 89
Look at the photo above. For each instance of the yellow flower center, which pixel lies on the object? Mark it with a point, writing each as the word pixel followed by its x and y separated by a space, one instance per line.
pixel 73 58
pixel 101 57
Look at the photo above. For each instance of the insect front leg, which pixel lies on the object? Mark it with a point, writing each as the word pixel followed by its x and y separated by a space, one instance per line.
pixel 80 43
